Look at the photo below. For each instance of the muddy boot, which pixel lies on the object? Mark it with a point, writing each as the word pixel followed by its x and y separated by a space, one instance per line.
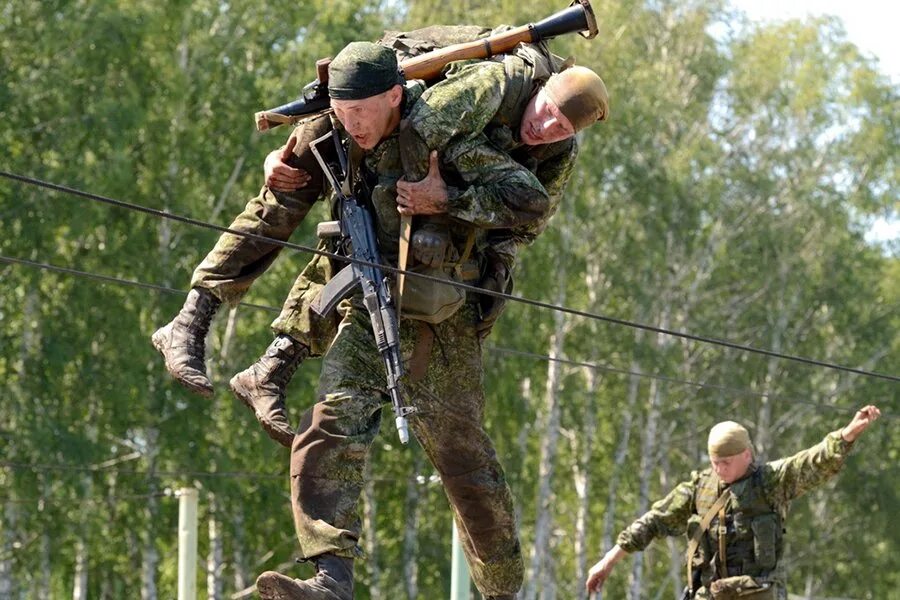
pixel 333 581
pixel 261 387
pixel 183 341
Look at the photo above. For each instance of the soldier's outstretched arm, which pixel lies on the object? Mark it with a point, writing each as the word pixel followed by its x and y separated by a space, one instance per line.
pixel 601 571
pixel 794 476
pixel 860 422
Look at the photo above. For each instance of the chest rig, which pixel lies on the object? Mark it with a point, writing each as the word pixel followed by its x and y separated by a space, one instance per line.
pixel 752 529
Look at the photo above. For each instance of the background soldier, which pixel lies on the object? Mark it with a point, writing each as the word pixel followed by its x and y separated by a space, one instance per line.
pixel 479 191
pixel 745 562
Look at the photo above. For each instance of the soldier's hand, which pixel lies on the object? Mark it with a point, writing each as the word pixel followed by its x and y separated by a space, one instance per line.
pixel 280 176
pixel 425 197
pixel 861 420
pixel 600 572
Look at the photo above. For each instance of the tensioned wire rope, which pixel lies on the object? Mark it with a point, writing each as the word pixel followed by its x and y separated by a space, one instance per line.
pixel 469 288
pixel 501 349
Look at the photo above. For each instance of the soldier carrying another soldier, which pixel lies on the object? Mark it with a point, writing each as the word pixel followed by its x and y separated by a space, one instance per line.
pixel 516 144
pixel 415 155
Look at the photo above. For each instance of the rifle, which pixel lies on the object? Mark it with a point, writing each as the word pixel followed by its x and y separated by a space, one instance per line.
pixel 357 230
pixel 579 16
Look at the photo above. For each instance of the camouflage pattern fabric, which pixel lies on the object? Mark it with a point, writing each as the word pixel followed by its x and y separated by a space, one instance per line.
pixel 495 181
pixel 782 481
pixel 297 319
pixel 480 154
pixel 331 448
pixel 236 262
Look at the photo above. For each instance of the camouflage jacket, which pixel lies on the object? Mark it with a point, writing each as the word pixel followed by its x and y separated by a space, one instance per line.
pixel 782 481
pixel 495 182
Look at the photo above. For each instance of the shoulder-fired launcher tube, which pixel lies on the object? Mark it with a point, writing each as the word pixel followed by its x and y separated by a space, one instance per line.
pixel 578 17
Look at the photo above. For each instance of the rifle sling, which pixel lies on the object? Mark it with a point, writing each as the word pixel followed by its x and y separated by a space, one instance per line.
pixel 718 505
pixel 722 530
pixel 403 258
pixel 421 354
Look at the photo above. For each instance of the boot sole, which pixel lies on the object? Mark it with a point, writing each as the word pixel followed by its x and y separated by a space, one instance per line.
pixel 274 586
pixel 242 394
pixel 159 342
pixel 271 589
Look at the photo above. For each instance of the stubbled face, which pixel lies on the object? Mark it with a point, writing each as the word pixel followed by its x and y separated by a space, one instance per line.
pixel 731 468
pixel 542 122
pixel 371 119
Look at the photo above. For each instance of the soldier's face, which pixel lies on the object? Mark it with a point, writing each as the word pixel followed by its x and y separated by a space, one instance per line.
pixel 542 122
pixel 731 468
pixel 370 120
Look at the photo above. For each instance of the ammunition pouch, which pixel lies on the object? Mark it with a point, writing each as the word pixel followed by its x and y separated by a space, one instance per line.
pixel 742 587
pixel 429 301
pixel 766 529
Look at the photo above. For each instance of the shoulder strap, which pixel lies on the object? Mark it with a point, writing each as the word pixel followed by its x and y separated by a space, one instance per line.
pixel 704 525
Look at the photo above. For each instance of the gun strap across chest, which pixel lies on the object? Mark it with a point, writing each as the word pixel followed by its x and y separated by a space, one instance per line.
pixel 722 530
pixel 718 505
pixel 403 258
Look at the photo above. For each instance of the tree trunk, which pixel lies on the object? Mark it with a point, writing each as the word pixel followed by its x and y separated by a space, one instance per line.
pixel 675 554
pixel 214 560
pixel 609 518
pixel 80 584
pixel 237 549
pixel 150 557
pixel 763 438
pixel 7 540
pixel 370 533
pixel 648 461
pixel 46 568
pixel 411 531
pixel 581 475
pixel 538 579
pixel 648 456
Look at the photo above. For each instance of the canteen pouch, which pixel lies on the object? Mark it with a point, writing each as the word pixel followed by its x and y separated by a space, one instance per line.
pixel 741 587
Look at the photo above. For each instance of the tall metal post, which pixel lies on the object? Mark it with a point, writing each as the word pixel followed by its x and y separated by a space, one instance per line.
pixel 459 570
pixel 187 544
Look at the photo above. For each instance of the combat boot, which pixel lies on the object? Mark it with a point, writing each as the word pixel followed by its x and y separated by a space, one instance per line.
pixel 333 581
pixel 183 341
pixel 261 387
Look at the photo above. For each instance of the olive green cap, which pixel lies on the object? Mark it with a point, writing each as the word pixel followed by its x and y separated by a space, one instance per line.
pixel 361 70
pixel 727 439
pixel 580 95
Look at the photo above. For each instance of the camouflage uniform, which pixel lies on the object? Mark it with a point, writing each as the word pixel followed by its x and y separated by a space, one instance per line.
pixel 505 204
pixel 236 261
pixel 754 513
pixel 472 119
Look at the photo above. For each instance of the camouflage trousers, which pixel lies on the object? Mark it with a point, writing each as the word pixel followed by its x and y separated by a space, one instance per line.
pixel 236 261
pixel 331 448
